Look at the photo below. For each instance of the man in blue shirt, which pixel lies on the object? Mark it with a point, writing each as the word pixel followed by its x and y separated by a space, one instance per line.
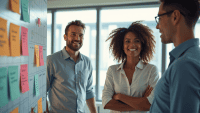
pixel 178 90
pixel 69 75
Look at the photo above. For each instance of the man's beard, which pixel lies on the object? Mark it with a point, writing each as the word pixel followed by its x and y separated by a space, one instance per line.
pixel 70 45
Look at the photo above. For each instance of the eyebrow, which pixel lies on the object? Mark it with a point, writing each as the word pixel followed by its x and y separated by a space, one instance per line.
pixel 75 33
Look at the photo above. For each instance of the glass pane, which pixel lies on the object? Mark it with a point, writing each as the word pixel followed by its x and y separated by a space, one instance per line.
pixel 49 23
pixel 115 18
pixel 88 17
pixel 197 33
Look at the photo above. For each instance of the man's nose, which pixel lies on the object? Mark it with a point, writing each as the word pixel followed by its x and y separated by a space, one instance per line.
pixel 157 26
pixel 77 37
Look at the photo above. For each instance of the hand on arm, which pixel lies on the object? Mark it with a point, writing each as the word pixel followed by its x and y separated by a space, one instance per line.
pixel 91 105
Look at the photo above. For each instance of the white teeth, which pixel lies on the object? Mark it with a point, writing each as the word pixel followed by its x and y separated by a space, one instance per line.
pixel 132 49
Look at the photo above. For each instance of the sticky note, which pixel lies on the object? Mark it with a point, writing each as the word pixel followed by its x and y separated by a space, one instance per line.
pixel 4 44
pixel 16 110
pixel 36 85
pixel 14 40
pixel 39 22
pixel 14 5
pixel 41 55
pixel 40 106
pixel 3 87
pixel 25 14
pixel 24 78
pixel 24 38
pixel 37 56
pixel 13 82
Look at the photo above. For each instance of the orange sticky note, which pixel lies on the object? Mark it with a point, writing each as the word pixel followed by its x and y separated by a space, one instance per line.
pixel 24 38
pixel 37 62
pixel 14 40
pixel 39 22
pixel 14 4
pixel 16 110
pixel 41 55
pixel 24 78
pixel 40 106
pixel 4 45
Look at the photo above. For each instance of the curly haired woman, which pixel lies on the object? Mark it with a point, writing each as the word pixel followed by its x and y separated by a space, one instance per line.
pixel 129 85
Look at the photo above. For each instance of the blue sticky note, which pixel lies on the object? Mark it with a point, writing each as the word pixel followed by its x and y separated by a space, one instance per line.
pixel 36 85
pixel 25 14
pixel 13 82
pixel 3 87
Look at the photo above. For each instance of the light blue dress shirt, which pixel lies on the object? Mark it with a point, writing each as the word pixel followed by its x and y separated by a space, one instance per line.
pixel 178 90
pixel 69 84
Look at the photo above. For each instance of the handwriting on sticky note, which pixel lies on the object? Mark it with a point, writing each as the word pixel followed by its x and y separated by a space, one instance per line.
pixel 24 37
pixel 40 106
pixel 4 44
pixel 16 110
pixel 3 87
pixel 14 4
pixel 14 40
pixel 25 14
pixel 13 82
pixel 24 78
pixel 41 55
pixel 36 85
pixel 37 56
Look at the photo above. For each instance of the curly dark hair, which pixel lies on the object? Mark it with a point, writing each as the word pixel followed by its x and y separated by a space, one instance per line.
pixel 141 31
pixel 190 9
pixel 77 23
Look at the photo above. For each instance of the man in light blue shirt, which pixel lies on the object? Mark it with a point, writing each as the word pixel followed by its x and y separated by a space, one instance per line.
pixel 178 90
pixel 69 75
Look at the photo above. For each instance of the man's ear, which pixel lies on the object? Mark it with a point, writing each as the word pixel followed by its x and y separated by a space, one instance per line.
pixel 65 37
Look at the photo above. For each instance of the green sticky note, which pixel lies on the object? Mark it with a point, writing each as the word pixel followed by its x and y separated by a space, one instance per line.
pixel 36 85
pixel 25 14
pixel 13 82
pixel 3 87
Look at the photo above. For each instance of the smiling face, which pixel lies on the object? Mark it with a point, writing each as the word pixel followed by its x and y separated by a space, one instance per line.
pixel 74 37
pixel 132 45
pixel 165 26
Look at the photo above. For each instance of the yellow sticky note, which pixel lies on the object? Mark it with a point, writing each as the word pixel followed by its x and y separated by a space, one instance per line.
pixel 40 106
pixel 16 110
pixel 14 40
pixel 14 5
pixel 4 45
pixel 37 56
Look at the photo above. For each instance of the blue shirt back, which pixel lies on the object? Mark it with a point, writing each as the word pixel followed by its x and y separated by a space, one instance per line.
pixel 178 90
pixel 69 84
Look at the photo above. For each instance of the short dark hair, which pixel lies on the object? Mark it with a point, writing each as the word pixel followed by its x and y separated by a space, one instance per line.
pixel 190 8
pixel 144 33
pixel 77 23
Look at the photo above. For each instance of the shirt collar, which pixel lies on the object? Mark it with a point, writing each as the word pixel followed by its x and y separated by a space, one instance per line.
pixel 180 49
pixel 66 54
pixel 140 65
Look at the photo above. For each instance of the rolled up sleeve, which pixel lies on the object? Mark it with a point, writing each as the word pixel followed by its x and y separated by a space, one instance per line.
pixel 108 90
pixel 154 77
pixel 89 88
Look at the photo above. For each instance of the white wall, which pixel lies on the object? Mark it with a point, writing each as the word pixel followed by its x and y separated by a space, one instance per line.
pixel 80 3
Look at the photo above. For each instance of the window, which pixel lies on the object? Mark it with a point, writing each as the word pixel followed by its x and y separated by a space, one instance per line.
pixel 49 23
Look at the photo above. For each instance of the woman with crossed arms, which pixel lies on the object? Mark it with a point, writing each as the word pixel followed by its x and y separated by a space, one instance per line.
pixel 129 86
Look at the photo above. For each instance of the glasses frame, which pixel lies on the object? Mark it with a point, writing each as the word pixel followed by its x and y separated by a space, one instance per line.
pixel 165 14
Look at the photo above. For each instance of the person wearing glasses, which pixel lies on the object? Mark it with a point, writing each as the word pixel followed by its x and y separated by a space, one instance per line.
pixel 129 85
pixel 178 90
pixel 69 75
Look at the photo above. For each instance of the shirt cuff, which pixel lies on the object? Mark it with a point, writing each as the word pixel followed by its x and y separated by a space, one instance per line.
pixel 89 95
pixel 150 99
pixel 105 101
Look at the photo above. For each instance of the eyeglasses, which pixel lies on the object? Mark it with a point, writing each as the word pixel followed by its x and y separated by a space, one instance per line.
pixel 157 18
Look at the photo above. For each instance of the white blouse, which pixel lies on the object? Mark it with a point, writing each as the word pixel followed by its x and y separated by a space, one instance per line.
pixel 117 82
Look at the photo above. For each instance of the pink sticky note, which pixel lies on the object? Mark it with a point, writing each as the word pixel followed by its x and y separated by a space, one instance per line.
pixel 41 55
pixel 39 22
pixel 24 36
pixel 24 78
